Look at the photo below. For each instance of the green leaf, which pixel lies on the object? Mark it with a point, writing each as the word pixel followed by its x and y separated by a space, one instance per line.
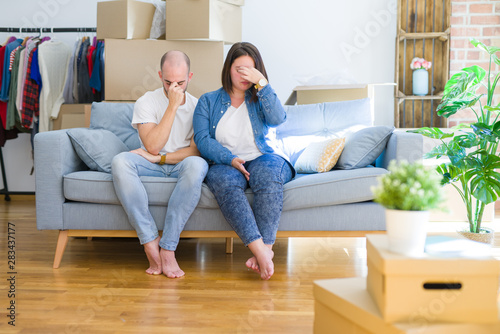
pixel 496 128
pixel 449 172
pixel 493 109
pixel 436 152
pixel 496 59
pixel 482 190
pixel 452 106
pixel 456 154
pixel 461 126
pixel 466 140
pixel 490 49
pixel 434 133
pixel 483 131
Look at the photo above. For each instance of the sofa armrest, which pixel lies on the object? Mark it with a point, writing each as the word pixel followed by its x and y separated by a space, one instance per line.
pixel 403 146
pixel 54 158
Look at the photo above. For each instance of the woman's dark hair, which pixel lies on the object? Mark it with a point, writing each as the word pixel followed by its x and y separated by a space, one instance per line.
pixel 236 51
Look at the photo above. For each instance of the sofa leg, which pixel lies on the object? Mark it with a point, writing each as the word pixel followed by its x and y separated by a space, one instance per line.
pixel 62 241
pixel 229 245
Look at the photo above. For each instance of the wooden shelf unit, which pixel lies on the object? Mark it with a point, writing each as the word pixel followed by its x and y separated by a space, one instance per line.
pixel 423 31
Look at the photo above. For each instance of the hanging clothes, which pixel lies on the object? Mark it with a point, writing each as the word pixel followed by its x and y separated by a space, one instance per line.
pixel 76 63
pixel 12 118
pixel 53 57
pixel 84 92
pixel 5 134
pixel 68 87
pixel 31 97
pixel 96 81
pixel 30 45
pixel 4 91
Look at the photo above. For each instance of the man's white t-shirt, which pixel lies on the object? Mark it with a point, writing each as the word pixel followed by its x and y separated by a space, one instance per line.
pixel 234 132
pixel 151 107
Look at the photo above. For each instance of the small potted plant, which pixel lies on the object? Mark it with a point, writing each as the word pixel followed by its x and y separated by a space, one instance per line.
pixel 407 192
pixel 420 66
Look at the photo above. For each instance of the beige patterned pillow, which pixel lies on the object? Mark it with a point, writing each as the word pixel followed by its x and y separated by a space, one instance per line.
pixel 320 157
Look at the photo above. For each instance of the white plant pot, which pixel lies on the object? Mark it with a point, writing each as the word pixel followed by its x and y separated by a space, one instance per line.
pixel 406 231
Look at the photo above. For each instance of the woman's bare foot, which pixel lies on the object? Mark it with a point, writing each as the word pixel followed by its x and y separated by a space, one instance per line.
pixel 264 256
pixel 169 264
pixel 253 264
pixel 152 250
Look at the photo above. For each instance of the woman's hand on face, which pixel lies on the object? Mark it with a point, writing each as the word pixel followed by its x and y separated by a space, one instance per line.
pixel 251 74
pixel 238 164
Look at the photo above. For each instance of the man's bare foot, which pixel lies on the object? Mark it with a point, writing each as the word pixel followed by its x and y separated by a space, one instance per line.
pixel 264 256
pixel 169 264
pixel 152 250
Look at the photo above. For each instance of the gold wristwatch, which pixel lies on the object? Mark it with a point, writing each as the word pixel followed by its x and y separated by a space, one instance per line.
pixel 261 84
pixel 162 159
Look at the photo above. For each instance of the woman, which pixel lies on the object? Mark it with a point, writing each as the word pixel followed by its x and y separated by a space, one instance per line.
pixel 230 126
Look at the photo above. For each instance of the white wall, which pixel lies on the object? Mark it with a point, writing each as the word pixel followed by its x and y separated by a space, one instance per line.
pixel 302 42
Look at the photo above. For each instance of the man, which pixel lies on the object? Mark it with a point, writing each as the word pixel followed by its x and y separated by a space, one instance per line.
pixel 164 120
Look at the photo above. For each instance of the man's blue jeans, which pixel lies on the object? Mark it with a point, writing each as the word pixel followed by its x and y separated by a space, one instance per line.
pixel 127 168
pixel 268 174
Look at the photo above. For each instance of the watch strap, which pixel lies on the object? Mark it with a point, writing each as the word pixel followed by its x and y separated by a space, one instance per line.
pixel 162 159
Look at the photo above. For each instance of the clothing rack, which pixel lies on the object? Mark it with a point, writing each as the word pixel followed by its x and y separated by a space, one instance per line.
pixel 5 191
pixel 48 30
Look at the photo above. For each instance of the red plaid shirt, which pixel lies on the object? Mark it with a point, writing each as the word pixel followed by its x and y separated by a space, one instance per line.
pixel 31 97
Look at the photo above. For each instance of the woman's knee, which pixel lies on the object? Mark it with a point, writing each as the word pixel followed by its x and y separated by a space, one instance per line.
pixel 221 177
pixel 269 176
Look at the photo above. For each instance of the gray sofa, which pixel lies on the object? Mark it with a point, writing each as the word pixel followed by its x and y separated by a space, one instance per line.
pixel 78 199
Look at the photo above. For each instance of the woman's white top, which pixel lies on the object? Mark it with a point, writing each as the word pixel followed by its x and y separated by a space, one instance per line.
pixel 235 133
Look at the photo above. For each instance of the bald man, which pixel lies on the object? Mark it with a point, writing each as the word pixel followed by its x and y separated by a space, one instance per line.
pixel 164 120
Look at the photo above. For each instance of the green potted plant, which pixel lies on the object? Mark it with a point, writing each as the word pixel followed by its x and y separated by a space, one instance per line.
pixel 407 192
pixel 472 149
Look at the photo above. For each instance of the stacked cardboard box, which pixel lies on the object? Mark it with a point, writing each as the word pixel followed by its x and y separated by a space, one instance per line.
pixel 411 295
pixel 200 28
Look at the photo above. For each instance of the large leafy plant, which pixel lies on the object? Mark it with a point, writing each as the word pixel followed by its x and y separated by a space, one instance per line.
pixel 472 149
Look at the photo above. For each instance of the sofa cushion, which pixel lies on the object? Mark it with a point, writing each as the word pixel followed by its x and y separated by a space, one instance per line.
pixel 96 147
pixel 305 191
pixel 320 157
pixel 309 123
pixel 117 118
pixel 364 146
pixel 323 119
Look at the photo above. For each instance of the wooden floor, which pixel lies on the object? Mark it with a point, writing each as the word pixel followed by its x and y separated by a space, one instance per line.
pixel 101 286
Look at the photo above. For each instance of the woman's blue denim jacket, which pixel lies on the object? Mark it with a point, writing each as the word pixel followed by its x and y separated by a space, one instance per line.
pixel 265 113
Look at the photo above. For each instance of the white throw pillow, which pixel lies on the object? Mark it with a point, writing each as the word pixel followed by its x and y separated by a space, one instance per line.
pixel 320 157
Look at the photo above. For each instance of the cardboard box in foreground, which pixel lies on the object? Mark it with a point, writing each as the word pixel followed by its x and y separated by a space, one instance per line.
pixel 437 289
pixel 343 305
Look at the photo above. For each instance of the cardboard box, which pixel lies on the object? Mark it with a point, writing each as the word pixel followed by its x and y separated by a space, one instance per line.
pixel 215 20
pixel 331 93
pixel 132 66
pixel 126 19
pixel 344 305
pixel 72 116
pixel 436 288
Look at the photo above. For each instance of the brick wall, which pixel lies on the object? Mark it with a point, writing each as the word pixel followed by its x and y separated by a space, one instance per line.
pixel 479 19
